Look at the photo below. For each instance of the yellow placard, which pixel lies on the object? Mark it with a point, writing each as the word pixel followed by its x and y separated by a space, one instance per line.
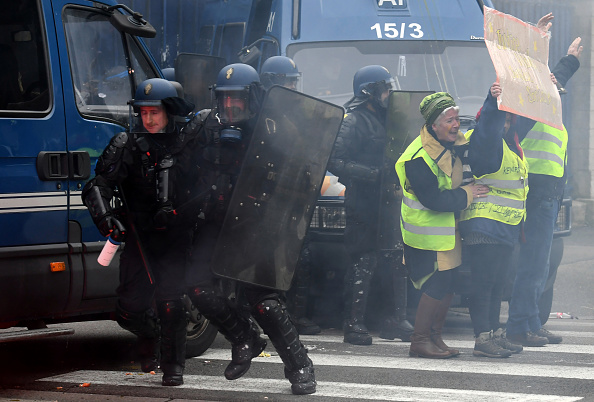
pixel 520 54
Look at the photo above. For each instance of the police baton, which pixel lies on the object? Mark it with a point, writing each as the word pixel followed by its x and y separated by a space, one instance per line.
pixel 145 262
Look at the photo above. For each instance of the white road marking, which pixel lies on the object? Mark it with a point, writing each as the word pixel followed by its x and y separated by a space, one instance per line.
pixel 324 388
pixel 454 365
pixel 558 348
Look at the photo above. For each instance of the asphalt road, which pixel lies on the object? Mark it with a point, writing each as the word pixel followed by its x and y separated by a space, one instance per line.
pixel 101 355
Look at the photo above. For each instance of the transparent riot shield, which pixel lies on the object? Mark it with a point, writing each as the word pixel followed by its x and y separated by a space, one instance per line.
pixel 197 73
pixel 403 125
pixel 276 192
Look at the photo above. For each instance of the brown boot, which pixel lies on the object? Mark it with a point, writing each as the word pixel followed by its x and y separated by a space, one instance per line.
pixel 421 344
pixel 438 321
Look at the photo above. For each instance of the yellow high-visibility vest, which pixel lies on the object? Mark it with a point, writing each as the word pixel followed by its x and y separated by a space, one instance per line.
pixel 421 227
pixel 545 148
pixel 506 200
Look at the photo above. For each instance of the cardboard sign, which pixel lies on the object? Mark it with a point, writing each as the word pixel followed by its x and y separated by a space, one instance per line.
pixel 520 54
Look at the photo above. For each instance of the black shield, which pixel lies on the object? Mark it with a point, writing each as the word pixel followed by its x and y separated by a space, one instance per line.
pixel 276 192
pixel 403 124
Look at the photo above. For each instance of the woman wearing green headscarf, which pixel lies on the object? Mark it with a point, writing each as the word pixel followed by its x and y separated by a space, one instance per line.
pixel 436 187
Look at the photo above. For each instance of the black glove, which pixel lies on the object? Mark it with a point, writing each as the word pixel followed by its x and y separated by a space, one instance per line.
pixel 109 225
pixel 164 218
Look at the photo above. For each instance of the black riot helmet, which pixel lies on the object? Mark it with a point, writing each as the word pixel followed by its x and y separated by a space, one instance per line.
pixel 151 92
pixel 369 83
pixel 280 70
pixel 235 93
pixel 160 92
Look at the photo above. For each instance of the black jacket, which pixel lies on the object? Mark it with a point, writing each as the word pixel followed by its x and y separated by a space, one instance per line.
pixel 357 160
pixel 134 168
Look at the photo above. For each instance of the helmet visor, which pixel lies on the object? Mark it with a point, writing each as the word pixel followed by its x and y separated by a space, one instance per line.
pixel 151 119
pixel 233 106
pixel 387 85
pixel 291 81
pixel 383 90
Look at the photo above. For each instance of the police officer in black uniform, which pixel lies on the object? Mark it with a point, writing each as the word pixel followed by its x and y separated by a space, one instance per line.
pixel 225 139
pixel 150 170
pixel 282 70
pixel 357 160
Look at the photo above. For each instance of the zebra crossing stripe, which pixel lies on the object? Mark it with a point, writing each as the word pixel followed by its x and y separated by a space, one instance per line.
pixel 324 388
pixel 456 365
pixel 558 348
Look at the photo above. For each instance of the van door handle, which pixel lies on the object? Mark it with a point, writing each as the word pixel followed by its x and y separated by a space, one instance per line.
pixel 79 164
pixel 52 165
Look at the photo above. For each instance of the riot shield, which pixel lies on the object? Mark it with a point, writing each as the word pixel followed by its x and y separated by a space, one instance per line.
pixel 197 73
pixel 403 124
pixel 276 192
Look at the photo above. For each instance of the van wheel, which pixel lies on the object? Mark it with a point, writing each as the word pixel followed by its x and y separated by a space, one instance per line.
pixel 200 332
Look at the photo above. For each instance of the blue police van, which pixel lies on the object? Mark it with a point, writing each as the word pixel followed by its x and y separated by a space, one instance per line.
pixel 68 69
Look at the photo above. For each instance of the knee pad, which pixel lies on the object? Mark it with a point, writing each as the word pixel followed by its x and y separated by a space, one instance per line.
pixel 144 324
pixel 268 309
pixel 208 302
pixel 172 312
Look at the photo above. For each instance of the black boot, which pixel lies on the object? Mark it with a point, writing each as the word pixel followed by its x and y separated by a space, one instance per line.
pixel 393 281
pixel 240 331
pixel 150 353
pixel 274 320
pixel 146 327
pixel 173 341
pixel 244 347
pixel 393 328
pixel 357 291
pixel 356 333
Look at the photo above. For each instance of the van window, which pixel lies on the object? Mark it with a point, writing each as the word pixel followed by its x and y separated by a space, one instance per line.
pixel 101 78
pixel 23 69
pixel 328 68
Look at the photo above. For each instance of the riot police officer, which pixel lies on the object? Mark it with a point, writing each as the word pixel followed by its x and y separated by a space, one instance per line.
pixel 282 70
pixel 357 160
pixel 226 136
pixel 149 169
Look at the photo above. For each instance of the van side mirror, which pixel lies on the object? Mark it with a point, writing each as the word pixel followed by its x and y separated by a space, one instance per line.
pixel 132 24
pixel 250 53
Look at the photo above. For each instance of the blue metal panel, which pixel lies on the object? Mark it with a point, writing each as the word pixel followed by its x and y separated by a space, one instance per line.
pixel 188 27
pixel 23 194
pixel 178 23
pixel 333 20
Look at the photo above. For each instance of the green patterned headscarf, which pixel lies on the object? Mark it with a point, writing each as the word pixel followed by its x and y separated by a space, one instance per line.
pixel 432 106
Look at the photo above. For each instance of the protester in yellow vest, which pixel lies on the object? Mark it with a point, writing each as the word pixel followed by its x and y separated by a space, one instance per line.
pixel 431 173
pixel 546 150
pixel 490 226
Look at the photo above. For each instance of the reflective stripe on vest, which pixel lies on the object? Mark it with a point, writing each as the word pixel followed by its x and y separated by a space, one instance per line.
pixel 508 188
pixel 546 150
pixel 421 227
